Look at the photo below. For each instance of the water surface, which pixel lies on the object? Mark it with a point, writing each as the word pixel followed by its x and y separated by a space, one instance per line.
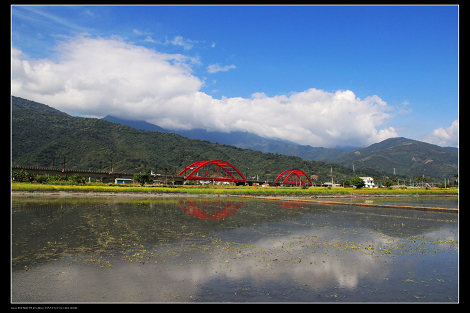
pixel 78 250
pixel 422 201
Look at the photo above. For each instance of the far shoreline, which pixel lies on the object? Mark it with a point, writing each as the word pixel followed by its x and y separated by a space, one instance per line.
pixel 182 194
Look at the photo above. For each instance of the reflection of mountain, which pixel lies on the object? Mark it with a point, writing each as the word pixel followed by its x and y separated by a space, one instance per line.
pixel 214 210
pixel 397 223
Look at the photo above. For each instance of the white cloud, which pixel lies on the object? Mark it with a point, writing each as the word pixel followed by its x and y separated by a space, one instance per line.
pixel 97 77
pixel 404 108
pixel 444 137
pixel 149 39
pixel 41 14
pixel 179 41
pixel 214 68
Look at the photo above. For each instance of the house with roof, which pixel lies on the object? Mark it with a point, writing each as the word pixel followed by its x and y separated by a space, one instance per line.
pixel 369 182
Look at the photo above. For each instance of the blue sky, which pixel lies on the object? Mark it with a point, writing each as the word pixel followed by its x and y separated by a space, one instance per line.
pixel 318 75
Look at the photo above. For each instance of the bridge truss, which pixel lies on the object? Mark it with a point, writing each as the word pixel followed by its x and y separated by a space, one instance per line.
pixel 294 177
pixel 213 170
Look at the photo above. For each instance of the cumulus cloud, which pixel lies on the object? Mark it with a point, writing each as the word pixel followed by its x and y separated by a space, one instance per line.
pixel 214 68
pixel 96 77
pixel 444 137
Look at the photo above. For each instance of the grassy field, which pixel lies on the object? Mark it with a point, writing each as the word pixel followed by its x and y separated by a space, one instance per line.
pixel 230 190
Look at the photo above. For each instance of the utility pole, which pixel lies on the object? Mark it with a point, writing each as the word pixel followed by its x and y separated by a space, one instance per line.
pixel 332 182
pixel 64 163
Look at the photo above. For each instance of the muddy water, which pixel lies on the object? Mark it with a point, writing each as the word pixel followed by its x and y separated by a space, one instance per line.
pixel 78 250
pixel 421 201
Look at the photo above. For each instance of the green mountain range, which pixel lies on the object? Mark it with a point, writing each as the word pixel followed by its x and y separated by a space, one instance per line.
pixel 404 156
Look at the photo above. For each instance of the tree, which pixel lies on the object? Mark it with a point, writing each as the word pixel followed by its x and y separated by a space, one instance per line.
pixel 142 178
pixel 358 182
pixel 21 176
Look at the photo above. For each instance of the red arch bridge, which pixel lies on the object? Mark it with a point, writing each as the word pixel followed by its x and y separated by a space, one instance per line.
pixel 212 171
pixel 294 177
pixel 222 171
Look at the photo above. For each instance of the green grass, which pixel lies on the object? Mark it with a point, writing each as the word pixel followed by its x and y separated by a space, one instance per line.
pixel 231 190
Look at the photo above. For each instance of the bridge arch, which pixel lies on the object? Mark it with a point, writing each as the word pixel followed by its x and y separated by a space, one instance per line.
pixel 294 177
pixel 223 171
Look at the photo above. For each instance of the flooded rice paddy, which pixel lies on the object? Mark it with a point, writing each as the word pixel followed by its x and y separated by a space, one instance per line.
pixel 231 250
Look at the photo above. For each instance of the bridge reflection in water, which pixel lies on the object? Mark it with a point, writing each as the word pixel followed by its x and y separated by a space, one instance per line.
pixel 210 210
pixel 291 205
pixel 221 209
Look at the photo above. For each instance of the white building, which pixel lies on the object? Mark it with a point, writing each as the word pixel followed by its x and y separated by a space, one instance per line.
pixel 123 181
pixel 369 182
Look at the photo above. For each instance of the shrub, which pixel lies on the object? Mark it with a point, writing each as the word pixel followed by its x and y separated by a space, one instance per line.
pixel 42 178
pixel 79 179
pixel 22 176
pixel 60 178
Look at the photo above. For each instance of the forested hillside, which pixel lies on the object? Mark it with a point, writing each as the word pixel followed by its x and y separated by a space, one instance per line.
pixel 406 156
pixel 41 133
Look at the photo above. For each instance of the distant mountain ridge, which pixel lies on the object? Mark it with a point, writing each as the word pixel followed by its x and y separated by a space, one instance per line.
pixel 406 156
pixel 402 155
pixel 244 140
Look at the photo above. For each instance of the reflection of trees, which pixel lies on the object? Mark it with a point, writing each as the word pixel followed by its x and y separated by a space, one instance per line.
pixel 214 210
